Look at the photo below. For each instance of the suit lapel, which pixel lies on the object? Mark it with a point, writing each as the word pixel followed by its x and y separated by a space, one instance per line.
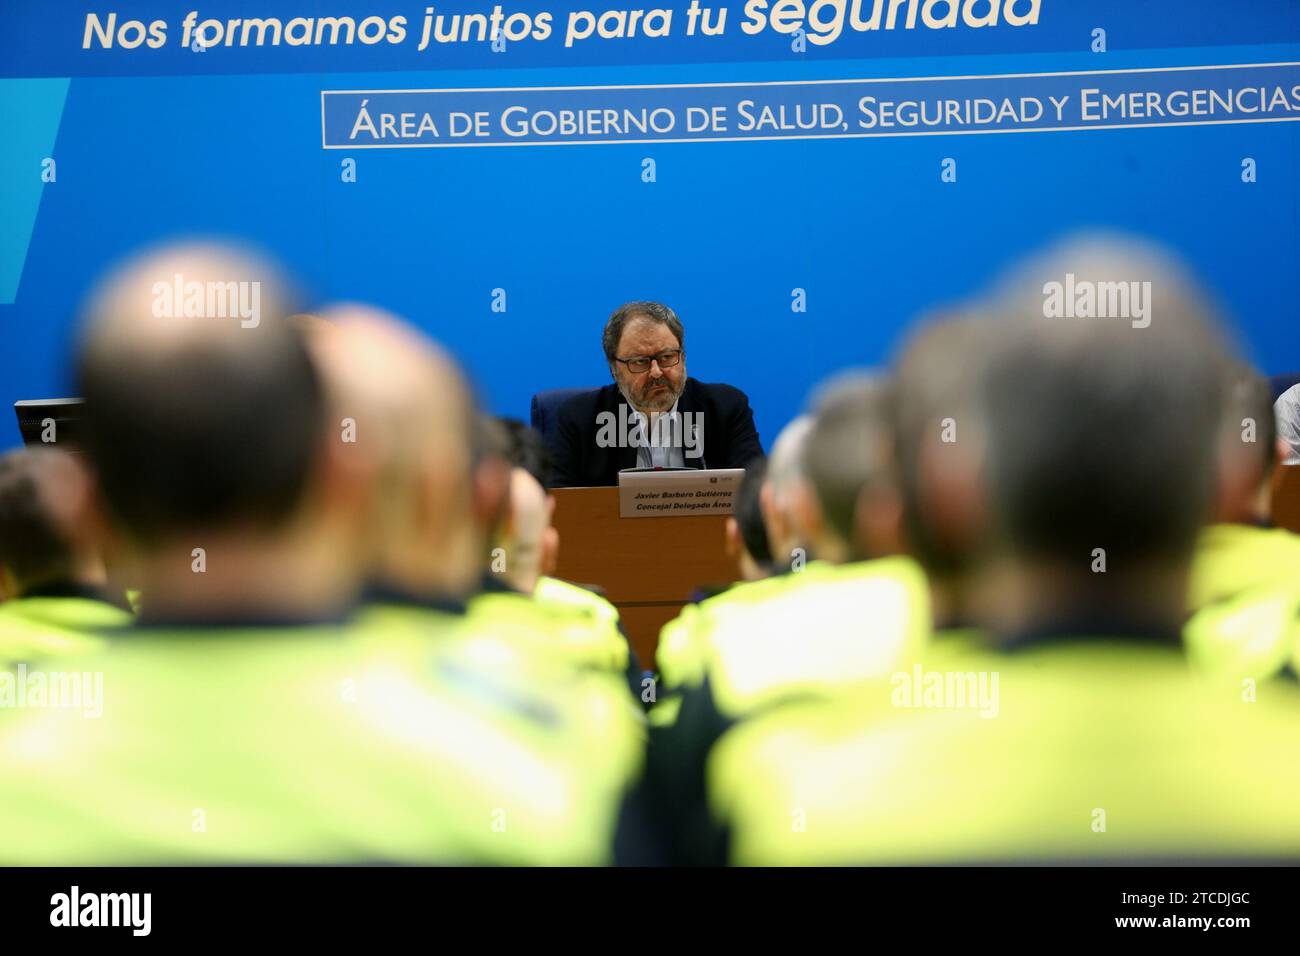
pixel 690 402
pixel 625 456
pixel 622 455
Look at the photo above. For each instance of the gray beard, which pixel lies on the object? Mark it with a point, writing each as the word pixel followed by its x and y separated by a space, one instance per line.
pixel 647 412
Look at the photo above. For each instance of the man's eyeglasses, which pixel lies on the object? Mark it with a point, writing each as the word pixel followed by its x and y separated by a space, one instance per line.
pixel 641 363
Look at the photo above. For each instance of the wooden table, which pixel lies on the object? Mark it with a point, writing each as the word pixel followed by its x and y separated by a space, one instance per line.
pixel 648 567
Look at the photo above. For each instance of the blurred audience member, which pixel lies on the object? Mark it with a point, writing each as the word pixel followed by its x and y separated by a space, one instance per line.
pixel 939 435
pixel 567 623
pixel 781 499
pixel 1076 731
pixel 854 613
pixel 246 721
pixel 52 578
pixel 1245 586
pixel 746 534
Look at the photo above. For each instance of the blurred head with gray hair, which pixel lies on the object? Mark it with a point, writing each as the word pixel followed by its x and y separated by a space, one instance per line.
pixel 1103 430
pixel 1249 447
pixel 784 487
pixel 939 435
pixel 848 458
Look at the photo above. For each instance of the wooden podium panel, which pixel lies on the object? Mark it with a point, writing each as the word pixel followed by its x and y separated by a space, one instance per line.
pixel 647 567
pixel 1286 497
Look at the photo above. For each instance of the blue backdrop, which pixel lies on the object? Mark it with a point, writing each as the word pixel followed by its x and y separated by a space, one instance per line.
pixel 157 143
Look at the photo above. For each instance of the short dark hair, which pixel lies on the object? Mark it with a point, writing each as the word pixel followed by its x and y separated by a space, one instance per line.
pixel 225 427
pixel 1102 435
pixel 32 545
pixel 748 512
pixel 526 449
pixel 654 311
pixel 849 446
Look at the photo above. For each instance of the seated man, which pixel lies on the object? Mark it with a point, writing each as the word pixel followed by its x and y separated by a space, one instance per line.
pixel 52 578
pixel 653 415
pixel 747 540
pixel 246 719
pixel 1100 744
pixel 436 470
pixel 534 539
pixel 804 630
pixel 944 520
pixel 516 596
pixel 780 482
pixel 854 613
pixel 1244 592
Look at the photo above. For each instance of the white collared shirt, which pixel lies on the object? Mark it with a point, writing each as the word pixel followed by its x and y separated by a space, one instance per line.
pixel 664 446
pixel 1286 411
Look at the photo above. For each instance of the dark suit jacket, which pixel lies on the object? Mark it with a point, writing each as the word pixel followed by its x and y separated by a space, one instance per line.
pixel 730 439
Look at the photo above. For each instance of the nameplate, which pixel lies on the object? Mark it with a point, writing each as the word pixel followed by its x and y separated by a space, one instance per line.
pixel 672 494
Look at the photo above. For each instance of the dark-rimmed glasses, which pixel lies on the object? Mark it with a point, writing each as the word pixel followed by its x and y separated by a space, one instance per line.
pixel 641 363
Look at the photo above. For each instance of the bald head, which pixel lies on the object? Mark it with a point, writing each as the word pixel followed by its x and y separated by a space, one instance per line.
pixel 406 395
pixel 403 415
pixel 202 407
